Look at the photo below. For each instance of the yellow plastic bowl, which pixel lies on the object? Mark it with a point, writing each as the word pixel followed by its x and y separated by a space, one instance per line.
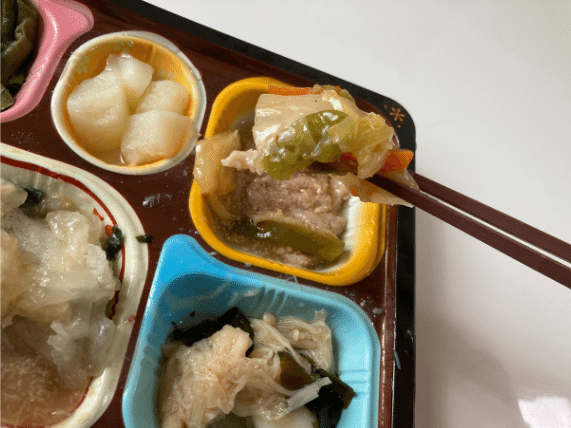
pixel 169 63
pixel 363 241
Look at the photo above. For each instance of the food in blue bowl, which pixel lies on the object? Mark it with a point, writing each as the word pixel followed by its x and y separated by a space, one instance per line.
pixel 330 344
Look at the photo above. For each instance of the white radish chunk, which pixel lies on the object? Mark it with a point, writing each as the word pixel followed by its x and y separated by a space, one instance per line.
pixel 164 95
pixel 155 135
pixel 300 418
pixel 98 112
pixel 136 76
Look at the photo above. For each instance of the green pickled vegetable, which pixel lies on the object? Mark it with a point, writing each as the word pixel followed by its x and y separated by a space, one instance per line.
pixel 35 197
pixel 145 239
pixel 8 19
pixel 233 317
pixel 322 244
pixel 337 387
pixel 292 375
pixel 19 26
pixel 331 401
pixel 113 243
pixel 32 206
pixel 7 99
pixel 317 137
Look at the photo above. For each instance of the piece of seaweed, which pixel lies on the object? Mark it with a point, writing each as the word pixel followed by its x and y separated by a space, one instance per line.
pixel 234 317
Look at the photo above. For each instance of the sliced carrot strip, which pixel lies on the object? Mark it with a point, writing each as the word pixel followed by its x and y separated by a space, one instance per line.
pixel 397 160
pixel 348 157
pixel 288 90
pixel 354 190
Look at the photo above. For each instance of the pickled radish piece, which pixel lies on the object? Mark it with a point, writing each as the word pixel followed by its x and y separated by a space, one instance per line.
pixel 164 95
pixel 136 76
pixel 101 112
pixel 154 135
pixel 98 111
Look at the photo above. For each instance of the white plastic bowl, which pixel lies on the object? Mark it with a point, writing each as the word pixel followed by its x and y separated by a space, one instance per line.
pixel 90 193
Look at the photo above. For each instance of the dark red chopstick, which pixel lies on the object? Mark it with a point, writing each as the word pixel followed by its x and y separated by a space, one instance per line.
pixel 517 250
pixel 496 218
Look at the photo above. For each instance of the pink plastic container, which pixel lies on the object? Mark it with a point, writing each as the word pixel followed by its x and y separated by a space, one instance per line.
pixel 62 21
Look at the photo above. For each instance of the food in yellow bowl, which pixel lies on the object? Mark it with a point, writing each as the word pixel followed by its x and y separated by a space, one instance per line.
pixel 279 184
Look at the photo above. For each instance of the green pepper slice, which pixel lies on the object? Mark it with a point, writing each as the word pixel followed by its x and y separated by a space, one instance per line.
pixel 307 140
pixel 325 246
pixel 292 375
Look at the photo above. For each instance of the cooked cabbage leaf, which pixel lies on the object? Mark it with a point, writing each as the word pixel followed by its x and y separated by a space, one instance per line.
pixel 209 173
pixel 289 142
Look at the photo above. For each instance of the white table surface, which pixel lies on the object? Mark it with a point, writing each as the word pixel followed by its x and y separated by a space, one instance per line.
pixel 488 85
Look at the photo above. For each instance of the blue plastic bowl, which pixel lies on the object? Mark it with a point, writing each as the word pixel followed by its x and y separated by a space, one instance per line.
pixel 188 279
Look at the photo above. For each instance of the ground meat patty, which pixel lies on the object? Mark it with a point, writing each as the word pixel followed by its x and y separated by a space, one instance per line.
pixel 316 199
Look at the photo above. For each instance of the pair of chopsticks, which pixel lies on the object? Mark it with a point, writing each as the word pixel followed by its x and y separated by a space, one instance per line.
pixel 501 236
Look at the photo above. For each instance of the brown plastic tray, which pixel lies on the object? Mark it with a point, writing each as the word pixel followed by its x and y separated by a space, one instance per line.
pixel 386 295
